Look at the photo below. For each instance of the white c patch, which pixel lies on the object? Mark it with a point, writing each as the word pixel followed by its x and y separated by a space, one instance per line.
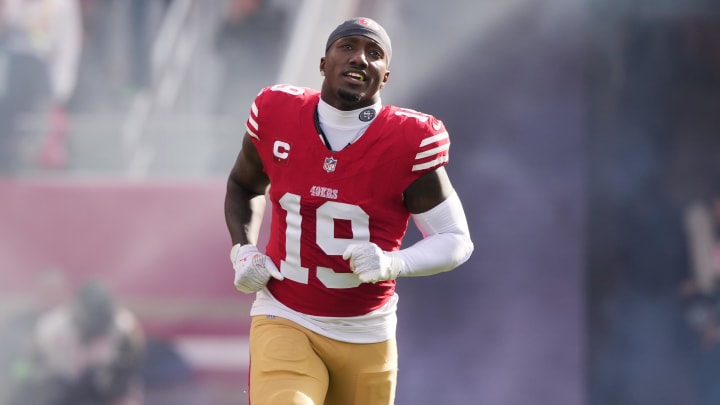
pixel 281 150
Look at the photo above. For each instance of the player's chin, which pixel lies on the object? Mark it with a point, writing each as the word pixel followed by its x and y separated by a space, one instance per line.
pixel 350 96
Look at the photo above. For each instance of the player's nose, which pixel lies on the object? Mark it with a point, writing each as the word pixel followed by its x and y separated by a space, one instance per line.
pixel 359 58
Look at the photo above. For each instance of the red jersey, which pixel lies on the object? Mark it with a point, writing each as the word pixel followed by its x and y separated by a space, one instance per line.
pixel 323 201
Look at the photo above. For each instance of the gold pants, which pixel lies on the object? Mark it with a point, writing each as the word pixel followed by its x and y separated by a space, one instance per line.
pixel 291 365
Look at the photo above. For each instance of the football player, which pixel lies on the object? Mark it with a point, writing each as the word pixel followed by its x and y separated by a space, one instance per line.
pixel 344 174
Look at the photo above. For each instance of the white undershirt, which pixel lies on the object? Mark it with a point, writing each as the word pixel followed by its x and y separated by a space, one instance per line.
pixel 341 128
pixel 376 326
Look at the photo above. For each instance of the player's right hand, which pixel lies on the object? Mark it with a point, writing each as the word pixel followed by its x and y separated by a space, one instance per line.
pixel 252 268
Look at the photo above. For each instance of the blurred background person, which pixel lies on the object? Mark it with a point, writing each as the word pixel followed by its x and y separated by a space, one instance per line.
pixel 50 290
pixel 43 42
pixel 250 38
pixel 7 140
pixel 701 292
pixel 88 352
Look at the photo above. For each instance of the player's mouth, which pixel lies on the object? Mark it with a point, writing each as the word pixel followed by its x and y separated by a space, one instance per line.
pixel 356 76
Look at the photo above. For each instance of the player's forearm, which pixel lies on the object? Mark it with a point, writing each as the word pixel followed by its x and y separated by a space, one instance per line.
pixel 243 213
pixel 432 255
pixel 446 243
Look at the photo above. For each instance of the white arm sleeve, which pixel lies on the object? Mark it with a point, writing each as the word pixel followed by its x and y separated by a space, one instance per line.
pixel 446 241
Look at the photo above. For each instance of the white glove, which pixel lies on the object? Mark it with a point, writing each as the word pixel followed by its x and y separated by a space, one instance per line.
pixel 370 263
pixel 252 268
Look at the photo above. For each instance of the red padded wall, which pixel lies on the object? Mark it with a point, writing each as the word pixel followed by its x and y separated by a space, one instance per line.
pixel 162 246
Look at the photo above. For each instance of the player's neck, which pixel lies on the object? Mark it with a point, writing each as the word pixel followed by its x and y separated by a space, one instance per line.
pixel 341 128
pixel 331 116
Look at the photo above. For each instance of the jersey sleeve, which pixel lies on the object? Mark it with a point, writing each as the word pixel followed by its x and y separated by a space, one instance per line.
pixel 252 125
pixel 432 146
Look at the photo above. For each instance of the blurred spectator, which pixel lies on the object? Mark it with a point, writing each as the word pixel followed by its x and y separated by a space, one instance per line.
pixel 140 43
pixel 652 365
pixel 42 42
pixel 248 43
pixel 141 32
pixel 116 60
pixel 16 332
pixel 88 352
pixel 701 293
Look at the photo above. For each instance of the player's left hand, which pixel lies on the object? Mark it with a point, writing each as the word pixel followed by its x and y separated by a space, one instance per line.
pixel 370 263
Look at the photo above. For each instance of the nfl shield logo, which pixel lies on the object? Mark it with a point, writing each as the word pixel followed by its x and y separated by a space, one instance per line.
pixel 329 164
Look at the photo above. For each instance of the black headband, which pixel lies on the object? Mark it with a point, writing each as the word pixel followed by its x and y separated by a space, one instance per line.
pixel 365 27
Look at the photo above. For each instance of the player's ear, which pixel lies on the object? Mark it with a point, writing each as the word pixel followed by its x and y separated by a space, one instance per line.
pixel 386 76
pixel 322 65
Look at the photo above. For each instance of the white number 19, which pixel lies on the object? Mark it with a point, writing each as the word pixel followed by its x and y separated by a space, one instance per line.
pixel 326 215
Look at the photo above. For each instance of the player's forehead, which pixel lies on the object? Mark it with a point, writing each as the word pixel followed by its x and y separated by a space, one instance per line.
pixel 358 39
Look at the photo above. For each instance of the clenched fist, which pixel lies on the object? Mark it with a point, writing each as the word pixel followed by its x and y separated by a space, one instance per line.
pixel 370 263
pixel 252 268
